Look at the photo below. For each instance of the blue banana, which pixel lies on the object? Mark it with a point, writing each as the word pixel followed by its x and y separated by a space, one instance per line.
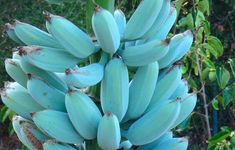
pixel 178 47
pixel 173 144
pixel 144 131
pixel 32 136
pixel 181 89
pixel 159 21
pixel 31 35
pixel 53 145
pixel 73 39
pixel 48 58
pixel 50 77
pixel 120 19
pixel 15 55
pixel 164 137
pixel 109 135
pixel 165 87
pixel 11 33
pixel 142 19
pixel 187 105
pixel 14 70
pixel 145 81
pixel 83 113
pixel 85 76
pixel 166 26
pixel 149 52
pixel 45 94
pixel 57 125
pixel 115 89
pixel 106 30
pixel 19 100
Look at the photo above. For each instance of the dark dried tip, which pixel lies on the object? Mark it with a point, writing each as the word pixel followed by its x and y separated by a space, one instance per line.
pixel 116 55
pixel 15 21
pixel 178 99
pixel 29 76
pixel 68 71
pixel 9 61
pixel 109 114
pixel 97 8
pixel 8 27
pixel 166 41
pixel 32 114
pixel 70 91
pixel 15 49
pixel 47 16
pixel 178 63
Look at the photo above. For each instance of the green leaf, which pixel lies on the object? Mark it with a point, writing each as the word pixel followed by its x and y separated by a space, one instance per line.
pixel 214 45
pixel 222 135
pixel 222 76
pixel 207 28
pixel 178 5
pixel 215 104
pixel 3 113
pixel 186 22
pixel 232 65
pixel 228 95
pixel 212 76
pixel 58 2
pixel 204 6
pixel 209 63
pixel 205 74
pixel 106 4
pixel 199 18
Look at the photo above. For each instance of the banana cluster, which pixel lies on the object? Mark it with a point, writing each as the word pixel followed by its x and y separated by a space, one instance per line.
pixel 142 93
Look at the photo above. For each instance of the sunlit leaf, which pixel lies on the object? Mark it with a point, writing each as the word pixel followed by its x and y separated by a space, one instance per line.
pixel 222 76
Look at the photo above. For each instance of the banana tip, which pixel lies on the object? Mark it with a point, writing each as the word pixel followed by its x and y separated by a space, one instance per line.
pixel 32 114
pixel 109 114
pixel 47 16
pixel 29 76
pixel 97 8
pixel 8 27
pixel 167 41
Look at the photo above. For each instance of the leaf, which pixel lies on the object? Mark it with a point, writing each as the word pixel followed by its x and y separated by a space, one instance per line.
pixel 209 63
pixel 106 4
pixel 199 18
pixel 214 45
pixel 228 95
pixel 232 65
pixel 222 76
pixel 207 28
pixel 186 22
pixel 3 113
pixel 215 104
pixel 178 5
pixel 222 135
pixel 204 6
pixel 205 74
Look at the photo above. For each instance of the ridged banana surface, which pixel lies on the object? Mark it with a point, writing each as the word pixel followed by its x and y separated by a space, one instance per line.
pixel 114 94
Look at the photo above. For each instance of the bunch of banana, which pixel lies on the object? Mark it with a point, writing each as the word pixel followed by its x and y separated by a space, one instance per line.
pixel 139 96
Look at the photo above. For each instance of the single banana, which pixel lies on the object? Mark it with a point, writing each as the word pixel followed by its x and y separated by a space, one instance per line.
pixel 16 121
pixel 11 33
pixel 166 26
pixel 115 89
pixel 173 144
pixel 48 58
pixel 85 76
pixel 31 35
pixel 187 45
pixel 178 47
pixel 109 135
pixel 144 131
pixel 142 19
pixel 187 105
pixel 50 77
pixel 14 70
pixel 181 89
pixel 165 87
pixel 73 39
pixel 164 137
pixel 45 94
pixel 141 90
pixel 57 125
pixel 53 145
pixel 33 136
pixel 120 19
pixel 146 53
pixel 159 21
pixel 83 113
pixel 19 100
pixel 106 30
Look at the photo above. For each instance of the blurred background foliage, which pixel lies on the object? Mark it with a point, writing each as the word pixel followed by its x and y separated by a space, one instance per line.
pixel 209 67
